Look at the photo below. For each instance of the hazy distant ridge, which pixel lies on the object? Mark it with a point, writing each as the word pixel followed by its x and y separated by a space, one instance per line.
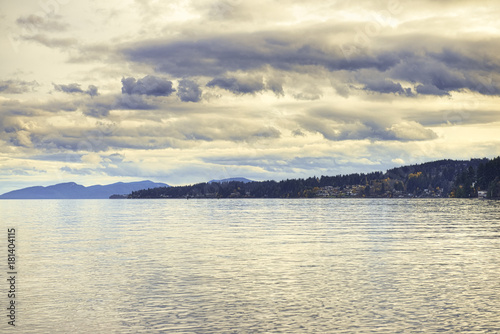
pixel 72 190
pixel 233 179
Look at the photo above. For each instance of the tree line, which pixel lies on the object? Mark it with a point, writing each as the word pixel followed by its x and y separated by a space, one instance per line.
pixel 485 177
pixel 443 178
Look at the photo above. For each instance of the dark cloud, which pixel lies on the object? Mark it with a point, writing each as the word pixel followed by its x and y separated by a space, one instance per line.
pixel 430 89
pixel 97 109
pixel 51 42
pixel 65 157
pixel 149 85
pixel 386 86
pixel 101 107
pixel 484 83
pixel 17 86
pixel 89 138
pixel 136 95
pixel 275 86
pixel 267 132
pixel 132 102
pixel 34 23
pixel 440 73
pixel 92 91
pixel 71 88
pixel 55 106
pixel 447 80
pixel 216 56
pixel 438 70
pixel 189 91
pixel 239 86
pixel 76 88
pixel 297 133
pixel 181 133
pixel 458 60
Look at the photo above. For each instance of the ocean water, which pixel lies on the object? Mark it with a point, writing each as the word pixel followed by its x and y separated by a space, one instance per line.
pixel 254 266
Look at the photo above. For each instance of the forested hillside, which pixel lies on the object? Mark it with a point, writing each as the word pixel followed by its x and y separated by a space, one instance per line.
pixel 443 178
pixel 483 178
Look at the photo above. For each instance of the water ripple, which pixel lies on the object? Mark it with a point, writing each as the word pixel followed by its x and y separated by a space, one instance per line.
pixel 257 266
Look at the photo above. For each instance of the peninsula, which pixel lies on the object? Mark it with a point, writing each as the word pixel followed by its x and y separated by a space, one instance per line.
pixel 437 179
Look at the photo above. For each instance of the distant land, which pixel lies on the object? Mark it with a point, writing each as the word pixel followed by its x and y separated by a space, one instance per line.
pixel 233 179
pixel 441 178
pixel 436 179
pixel 72 190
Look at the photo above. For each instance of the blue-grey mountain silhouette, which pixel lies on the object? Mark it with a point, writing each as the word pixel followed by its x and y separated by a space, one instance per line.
pixel 72 190
pixel 237 179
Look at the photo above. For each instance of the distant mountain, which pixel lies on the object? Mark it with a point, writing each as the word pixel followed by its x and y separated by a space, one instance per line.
pixel 235 179
pixel 71 190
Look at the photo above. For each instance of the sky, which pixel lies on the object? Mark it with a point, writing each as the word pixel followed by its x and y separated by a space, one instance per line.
pixel 97 92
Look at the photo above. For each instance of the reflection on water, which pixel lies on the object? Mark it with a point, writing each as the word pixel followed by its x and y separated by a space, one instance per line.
pixel 257 266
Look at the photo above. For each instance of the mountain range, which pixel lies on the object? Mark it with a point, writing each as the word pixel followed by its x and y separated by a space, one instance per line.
pixel 72 190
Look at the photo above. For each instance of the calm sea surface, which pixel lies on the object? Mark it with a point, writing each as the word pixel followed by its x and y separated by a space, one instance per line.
pixel 254 266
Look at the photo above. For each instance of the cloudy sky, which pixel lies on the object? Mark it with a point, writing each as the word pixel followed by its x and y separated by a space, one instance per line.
pixel 187 91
